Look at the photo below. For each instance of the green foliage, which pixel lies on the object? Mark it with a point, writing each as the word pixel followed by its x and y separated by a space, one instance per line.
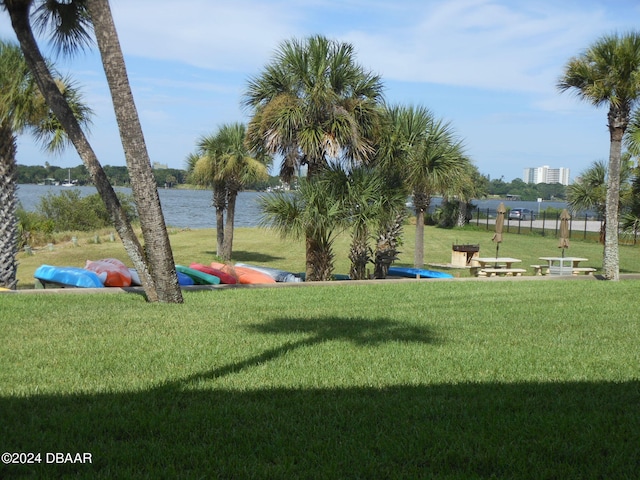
pixel 526 191
pixel 70 211
pixel 33 228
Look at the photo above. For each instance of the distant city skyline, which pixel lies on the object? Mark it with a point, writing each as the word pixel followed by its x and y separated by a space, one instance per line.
pixel 546 174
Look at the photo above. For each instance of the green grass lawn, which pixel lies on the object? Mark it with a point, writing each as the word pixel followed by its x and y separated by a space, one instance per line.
pixel 432 379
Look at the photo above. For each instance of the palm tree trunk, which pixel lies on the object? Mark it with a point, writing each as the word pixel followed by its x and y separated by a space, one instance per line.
pixel 19 13
pixel 421 205
pixel 8 201
pixel 387 246
pixel 610 261
pixel 227 246
pixel 143 183
pixel 220 204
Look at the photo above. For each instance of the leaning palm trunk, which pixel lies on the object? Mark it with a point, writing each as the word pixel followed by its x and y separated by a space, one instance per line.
pixel 387 246
pixel 19 13
pixel 143 183
pixel 8 200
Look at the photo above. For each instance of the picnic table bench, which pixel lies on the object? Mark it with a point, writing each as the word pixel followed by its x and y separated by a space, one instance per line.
pixel 507 272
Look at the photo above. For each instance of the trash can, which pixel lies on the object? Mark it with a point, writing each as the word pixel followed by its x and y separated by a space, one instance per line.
pixel 461 255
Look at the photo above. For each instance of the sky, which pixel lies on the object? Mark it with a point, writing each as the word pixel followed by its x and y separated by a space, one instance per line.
pixel 489 67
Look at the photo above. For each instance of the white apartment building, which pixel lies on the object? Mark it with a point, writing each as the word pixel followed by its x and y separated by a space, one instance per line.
pixel 546 174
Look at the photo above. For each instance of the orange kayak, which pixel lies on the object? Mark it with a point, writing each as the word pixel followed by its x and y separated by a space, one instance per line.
pixel 244 275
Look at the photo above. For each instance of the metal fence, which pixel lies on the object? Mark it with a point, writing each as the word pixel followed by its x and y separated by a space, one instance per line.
pixel 580 226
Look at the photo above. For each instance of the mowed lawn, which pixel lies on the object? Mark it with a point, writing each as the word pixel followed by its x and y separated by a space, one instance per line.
pixel 429 379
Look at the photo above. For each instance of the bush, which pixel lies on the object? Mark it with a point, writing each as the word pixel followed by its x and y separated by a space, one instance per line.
pixel 70 211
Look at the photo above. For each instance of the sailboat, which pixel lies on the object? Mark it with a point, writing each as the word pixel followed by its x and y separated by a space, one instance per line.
pixel 68 183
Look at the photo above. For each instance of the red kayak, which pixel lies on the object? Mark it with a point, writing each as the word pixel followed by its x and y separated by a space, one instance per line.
pixel 223 276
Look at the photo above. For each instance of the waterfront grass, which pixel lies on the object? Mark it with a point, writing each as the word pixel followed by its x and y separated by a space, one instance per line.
pixel 264 247
pixel 400 380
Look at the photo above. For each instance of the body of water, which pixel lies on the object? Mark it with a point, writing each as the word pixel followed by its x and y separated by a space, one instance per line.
pixel 194 208
pixel 181 208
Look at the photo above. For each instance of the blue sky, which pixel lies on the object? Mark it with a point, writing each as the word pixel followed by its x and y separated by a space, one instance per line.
pixel 489 67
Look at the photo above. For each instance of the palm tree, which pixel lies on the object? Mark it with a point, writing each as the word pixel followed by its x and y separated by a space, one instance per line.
pixel 312 103
pixel 608 73
pixel 143 184
pixel 22 108
pixel 224 161
pixel 19 11
pixel 361 192
pixel 430 158
pixel 311 212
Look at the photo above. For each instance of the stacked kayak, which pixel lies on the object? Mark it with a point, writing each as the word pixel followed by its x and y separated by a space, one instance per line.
pixel 409 272
pixel 198 277
pixel 244 275
pixel 117 273
pixel 70 276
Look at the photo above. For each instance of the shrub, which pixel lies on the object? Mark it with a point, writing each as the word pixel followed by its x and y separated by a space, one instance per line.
pixel 70 211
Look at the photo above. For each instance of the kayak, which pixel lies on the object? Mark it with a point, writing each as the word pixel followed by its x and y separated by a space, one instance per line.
pixel 118 274
pixel 70 276
pixel 409 272
pixel 184 280
pixel 245 276
pixel 223 276
pixel 275 273
pixel 199 278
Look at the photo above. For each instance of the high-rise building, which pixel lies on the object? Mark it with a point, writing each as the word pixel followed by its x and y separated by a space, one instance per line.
pixel 546 174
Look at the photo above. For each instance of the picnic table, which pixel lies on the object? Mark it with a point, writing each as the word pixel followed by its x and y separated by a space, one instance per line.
pixel 495 266
pixel 566 265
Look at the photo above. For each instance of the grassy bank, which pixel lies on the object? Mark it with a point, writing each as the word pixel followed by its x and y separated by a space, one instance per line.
pixel 410 380
pixel 261 246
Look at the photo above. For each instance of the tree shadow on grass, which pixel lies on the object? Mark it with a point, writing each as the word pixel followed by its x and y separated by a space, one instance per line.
pixel 359 331
pixel 250 257
pixel 191 429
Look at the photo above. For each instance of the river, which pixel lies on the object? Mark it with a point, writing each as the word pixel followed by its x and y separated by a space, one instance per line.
pixel 194 209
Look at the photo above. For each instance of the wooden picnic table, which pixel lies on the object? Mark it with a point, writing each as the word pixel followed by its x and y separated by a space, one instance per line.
pixel 491 266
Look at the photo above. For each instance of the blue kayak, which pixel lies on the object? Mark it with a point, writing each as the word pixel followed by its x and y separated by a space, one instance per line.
pixel 69 276
pixel 409 272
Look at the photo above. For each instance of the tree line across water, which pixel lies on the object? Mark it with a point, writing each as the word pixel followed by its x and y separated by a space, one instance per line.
pixel 172 177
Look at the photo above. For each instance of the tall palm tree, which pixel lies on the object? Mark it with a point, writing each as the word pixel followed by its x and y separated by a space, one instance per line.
pixel 19 12
pixel 312 103
pixel 225 162
pixel 200 169
pixel 608 73
pixel 430 158
pixel 22 108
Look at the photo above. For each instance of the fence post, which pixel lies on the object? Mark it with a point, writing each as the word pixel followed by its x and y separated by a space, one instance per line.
pixel 544 218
